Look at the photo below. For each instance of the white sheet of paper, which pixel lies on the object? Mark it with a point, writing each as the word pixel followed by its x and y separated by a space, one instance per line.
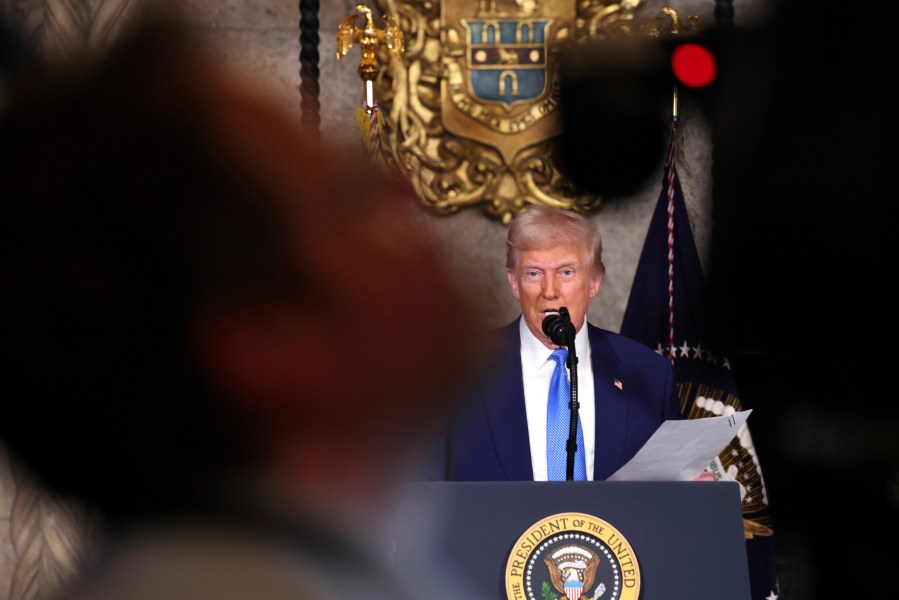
pixel 680 450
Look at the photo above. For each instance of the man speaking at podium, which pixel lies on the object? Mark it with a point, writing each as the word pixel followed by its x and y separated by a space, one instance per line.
pixel 517 422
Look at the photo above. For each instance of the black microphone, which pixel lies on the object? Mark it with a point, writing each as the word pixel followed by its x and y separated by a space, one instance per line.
pixel 554 326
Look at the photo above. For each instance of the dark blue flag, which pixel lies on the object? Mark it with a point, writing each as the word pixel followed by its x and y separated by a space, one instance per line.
pixel 665 311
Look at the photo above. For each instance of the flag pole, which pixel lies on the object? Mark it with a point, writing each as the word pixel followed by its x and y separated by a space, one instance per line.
pixel 674 103
pixel 369 38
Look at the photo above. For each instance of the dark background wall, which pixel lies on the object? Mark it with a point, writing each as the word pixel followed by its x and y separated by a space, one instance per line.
pixel 804 249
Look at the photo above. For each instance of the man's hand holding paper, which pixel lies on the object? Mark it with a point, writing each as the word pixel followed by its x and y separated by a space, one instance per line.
pixel 681 450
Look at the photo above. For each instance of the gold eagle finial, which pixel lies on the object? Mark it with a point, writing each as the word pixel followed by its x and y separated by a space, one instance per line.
pixel 368 37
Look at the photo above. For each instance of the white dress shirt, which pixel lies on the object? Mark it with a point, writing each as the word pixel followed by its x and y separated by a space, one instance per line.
pixel 536 372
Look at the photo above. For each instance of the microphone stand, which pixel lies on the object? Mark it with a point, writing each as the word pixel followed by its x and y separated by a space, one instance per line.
pixel 574 405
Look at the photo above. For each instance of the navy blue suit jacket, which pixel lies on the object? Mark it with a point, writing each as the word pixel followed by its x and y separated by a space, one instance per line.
pixel 487 440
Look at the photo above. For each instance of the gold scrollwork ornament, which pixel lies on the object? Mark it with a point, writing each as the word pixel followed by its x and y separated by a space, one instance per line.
pixel 471 112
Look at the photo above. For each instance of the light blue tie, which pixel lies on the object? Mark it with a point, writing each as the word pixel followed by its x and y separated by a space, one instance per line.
pixel 558 422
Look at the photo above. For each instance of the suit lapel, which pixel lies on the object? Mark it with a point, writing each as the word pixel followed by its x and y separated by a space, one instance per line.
pixel 611 406
pixel 506 411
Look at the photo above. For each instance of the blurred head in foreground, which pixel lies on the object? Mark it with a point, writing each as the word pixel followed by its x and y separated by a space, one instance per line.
pixel 192 290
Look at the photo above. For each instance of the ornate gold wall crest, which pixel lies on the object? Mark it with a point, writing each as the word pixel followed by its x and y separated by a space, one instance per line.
pixel 471 112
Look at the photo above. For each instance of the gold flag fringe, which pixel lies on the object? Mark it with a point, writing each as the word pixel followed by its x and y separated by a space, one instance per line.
pixel 369 120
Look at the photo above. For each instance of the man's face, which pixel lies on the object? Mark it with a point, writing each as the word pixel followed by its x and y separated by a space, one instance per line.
pixel 545 280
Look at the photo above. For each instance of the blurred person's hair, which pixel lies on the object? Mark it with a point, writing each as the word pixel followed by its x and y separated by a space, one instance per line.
pixel 136 202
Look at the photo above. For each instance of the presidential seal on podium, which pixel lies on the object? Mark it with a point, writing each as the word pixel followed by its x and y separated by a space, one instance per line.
pixel 572 556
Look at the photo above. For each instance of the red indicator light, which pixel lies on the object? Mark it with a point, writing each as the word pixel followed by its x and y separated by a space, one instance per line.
pixel 693 65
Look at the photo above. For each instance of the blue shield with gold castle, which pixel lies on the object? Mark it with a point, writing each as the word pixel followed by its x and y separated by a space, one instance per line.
pixel 507 58
pixel 499 84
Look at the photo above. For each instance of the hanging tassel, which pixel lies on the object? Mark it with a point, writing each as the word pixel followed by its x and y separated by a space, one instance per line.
pixel 368 117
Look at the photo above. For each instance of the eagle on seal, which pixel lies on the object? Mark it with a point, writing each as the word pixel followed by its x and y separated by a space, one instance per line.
pixel 567 582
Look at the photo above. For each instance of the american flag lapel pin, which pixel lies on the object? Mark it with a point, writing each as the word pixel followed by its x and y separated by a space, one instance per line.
pixel 617 383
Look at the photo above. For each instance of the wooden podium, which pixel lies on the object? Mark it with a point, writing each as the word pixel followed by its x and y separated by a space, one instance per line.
pixel 670 540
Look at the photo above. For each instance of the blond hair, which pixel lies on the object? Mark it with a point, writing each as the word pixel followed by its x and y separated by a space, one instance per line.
pixel 543 227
